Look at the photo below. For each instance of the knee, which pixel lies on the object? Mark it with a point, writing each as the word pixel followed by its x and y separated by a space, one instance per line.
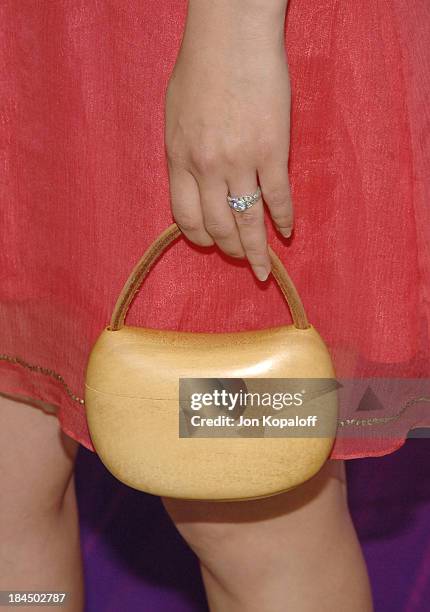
pixel 38 507
pixel 36 459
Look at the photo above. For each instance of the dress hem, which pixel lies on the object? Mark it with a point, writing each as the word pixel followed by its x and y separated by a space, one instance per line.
pixel 66 398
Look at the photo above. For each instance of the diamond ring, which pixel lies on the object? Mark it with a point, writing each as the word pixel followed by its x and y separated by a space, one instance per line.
pixel 243 202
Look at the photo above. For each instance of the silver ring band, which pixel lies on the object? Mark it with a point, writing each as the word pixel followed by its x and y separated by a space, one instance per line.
pixel 243 202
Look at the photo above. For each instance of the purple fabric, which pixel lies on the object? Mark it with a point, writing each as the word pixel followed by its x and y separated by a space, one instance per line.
pixel 137 562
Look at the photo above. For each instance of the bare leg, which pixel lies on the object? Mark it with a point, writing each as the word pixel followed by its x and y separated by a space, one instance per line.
pixel 39 531
pixel 295 551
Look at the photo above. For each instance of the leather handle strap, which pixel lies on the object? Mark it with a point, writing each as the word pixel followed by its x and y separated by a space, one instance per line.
pixel 151 255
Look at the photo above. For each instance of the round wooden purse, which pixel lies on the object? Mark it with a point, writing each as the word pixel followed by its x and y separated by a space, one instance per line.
pixel 132 400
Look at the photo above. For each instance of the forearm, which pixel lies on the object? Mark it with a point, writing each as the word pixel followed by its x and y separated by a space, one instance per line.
pixel 238 22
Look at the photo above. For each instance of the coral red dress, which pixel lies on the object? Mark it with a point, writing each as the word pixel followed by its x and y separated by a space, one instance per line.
pixel 85 190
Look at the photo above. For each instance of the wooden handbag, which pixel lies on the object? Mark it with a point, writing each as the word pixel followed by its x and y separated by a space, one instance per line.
pixel 132 407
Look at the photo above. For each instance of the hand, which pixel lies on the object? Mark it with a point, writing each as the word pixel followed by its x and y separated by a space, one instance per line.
pixel 227 123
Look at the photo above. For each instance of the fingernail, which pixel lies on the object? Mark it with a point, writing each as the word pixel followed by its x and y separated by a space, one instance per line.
pixel 261 272
pixel 285 231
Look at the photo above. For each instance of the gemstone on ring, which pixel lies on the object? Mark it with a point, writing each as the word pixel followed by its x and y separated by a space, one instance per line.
pixel 243 202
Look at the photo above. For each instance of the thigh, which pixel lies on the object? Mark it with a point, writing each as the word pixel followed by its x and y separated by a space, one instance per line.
pixel 326 489
pixel 282 552
pixel 304 518
pixel 36 458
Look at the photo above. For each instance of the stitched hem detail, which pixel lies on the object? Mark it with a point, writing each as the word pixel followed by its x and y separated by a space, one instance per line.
pixel 354 422
pixel 42 370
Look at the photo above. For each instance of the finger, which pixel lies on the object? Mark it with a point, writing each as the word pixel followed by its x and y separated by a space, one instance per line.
pixel 218 220
pixel 185 204
pixel 252 229
pixel 275 185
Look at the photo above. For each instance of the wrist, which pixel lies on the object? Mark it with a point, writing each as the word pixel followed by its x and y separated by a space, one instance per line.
pixel 236 20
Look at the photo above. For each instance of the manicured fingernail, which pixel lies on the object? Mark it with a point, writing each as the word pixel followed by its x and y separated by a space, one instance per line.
pixel 261 272
pixel 285 231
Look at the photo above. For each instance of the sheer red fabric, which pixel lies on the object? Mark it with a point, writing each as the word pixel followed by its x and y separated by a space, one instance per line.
pixel 85 190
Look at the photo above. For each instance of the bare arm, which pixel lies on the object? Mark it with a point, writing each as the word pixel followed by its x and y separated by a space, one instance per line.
pixel 227 125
